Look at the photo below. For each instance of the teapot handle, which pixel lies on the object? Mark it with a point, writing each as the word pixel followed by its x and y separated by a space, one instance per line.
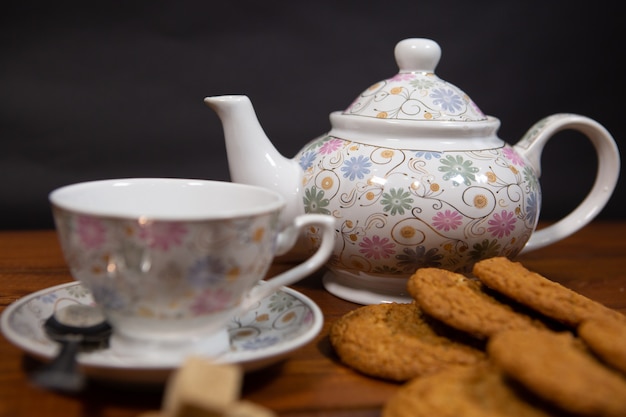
pixel 531 146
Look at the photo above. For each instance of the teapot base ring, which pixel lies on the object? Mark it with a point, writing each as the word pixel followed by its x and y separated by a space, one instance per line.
pixel 366 289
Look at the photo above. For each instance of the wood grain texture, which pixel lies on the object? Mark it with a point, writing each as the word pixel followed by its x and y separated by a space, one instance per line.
pixel 311 382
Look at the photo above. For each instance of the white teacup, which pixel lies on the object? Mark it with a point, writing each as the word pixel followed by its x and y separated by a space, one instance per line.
pixel 171 261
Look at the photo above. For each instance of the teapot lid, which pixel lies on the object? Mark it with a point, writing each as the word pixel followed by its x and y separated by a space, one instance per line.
pixel 416 93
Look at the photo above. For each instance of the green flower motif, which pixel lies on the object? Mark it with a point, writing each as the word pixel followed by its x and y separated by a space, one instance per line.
pixel 530 178
pixel 314 201
pixel 458 170
pixel 78 291
pixel 421 84
pixel 396 201
pixel 314 144
pixel 387 270
pixel 280 301
pixel 485 249
pixel 411 259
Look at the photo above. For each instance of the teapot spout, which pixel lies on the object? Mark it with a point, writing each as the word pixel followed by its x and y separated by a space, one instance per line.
pixel 252 159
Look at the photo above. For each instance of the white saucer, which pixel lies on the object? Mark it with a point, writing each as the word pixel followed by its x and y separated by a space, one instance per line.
pixel 265 334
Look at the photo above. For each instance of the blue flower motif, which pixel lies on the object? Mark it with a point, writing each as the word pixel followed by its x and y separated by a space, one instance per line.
pixel 306 160
pixel 428 155
pixel 261 342
pixel 49 298
pixel 108 297
pixel 356 167
pixel 447 100
pixel 206 270
pixel 531 208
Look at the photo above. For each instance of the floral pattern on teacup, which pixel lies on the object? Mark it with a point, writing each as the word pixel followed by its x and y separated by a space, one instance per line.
pixel 398 209
pixel 167 269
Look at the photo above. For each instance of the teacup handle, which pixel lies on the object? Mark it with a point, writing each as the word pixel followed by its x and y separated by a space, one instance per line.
pixel 286 239
pixel 531 146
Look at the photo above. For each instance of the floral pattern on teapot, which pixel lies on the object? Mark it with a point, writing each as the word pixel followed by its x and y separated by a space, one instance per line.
pixel 414 174
pixel 397 210
pixel 415 96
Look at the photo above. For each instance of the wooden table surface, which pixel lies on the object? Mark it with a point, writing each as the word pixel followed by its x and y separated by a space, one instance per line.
pixel 310 382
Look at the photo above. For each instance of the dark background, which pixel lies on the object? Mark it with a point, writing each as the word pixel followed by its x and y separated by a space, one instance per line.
pixel 92 90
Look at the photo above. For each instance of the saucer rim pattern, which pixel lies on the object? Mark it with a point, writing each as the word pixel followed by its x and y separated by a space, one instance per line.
pixel 96 363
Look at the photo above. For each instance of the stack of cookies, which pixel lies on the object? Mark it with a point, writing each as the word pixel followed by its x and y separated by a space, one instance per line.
pixel 508 342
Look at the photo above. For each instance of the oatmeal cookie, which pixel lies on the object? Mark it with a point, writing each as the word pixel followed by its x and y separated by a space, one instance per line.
pixel 468 391
pixel 462 303
pixel 539 293
pixel 398 342
pixel 556 368
pixel 607 339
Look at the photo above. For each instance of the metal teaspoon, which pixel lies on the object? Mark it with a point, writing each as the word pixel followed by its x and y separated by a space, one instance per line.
pixel 75 327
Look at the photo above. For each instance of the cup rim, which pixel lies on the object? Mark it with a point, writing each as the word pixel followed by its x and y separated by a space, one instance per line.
pixel 59 198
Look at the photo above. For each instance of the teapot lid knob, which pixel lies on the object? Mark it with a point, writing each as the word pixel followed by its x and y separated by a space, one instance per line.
pixel 415 93
pixel 417 55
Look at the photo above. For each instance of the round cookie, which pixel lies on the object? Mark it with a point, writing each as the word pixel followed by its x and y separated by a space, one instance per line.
pixel 539 293
pixel 555 367
pixel 397 342
pixel 460 302
pixel 607 339
pixel 476 391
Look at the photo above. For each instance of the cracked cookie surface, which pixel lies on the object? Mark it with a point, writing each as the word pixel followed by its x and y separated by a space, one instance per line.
pixel 478 391
pixel 539 293
pixel 607 339
pixel 557 368
pixel 398 342
pixel 462 303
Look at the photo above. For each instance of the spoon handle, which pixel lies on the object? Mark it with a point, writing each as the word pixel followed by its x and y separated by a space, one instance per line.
pixel 62 373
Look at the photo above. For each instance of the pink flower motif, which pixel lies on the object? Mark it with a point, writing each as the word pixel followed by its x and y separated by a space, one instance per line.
pixel 476 108
pixel 513 156
pixel 376 247
pixel 211 300
pixel 330 146
pixel 163 235
pixel 403 77
pixel 502 224
pixel 91 231
pixel 447 220
pixel 308 317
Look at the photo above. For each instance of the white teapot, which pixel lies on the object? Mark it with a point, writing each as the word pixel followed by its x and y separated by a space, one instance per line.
pixel 415 176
